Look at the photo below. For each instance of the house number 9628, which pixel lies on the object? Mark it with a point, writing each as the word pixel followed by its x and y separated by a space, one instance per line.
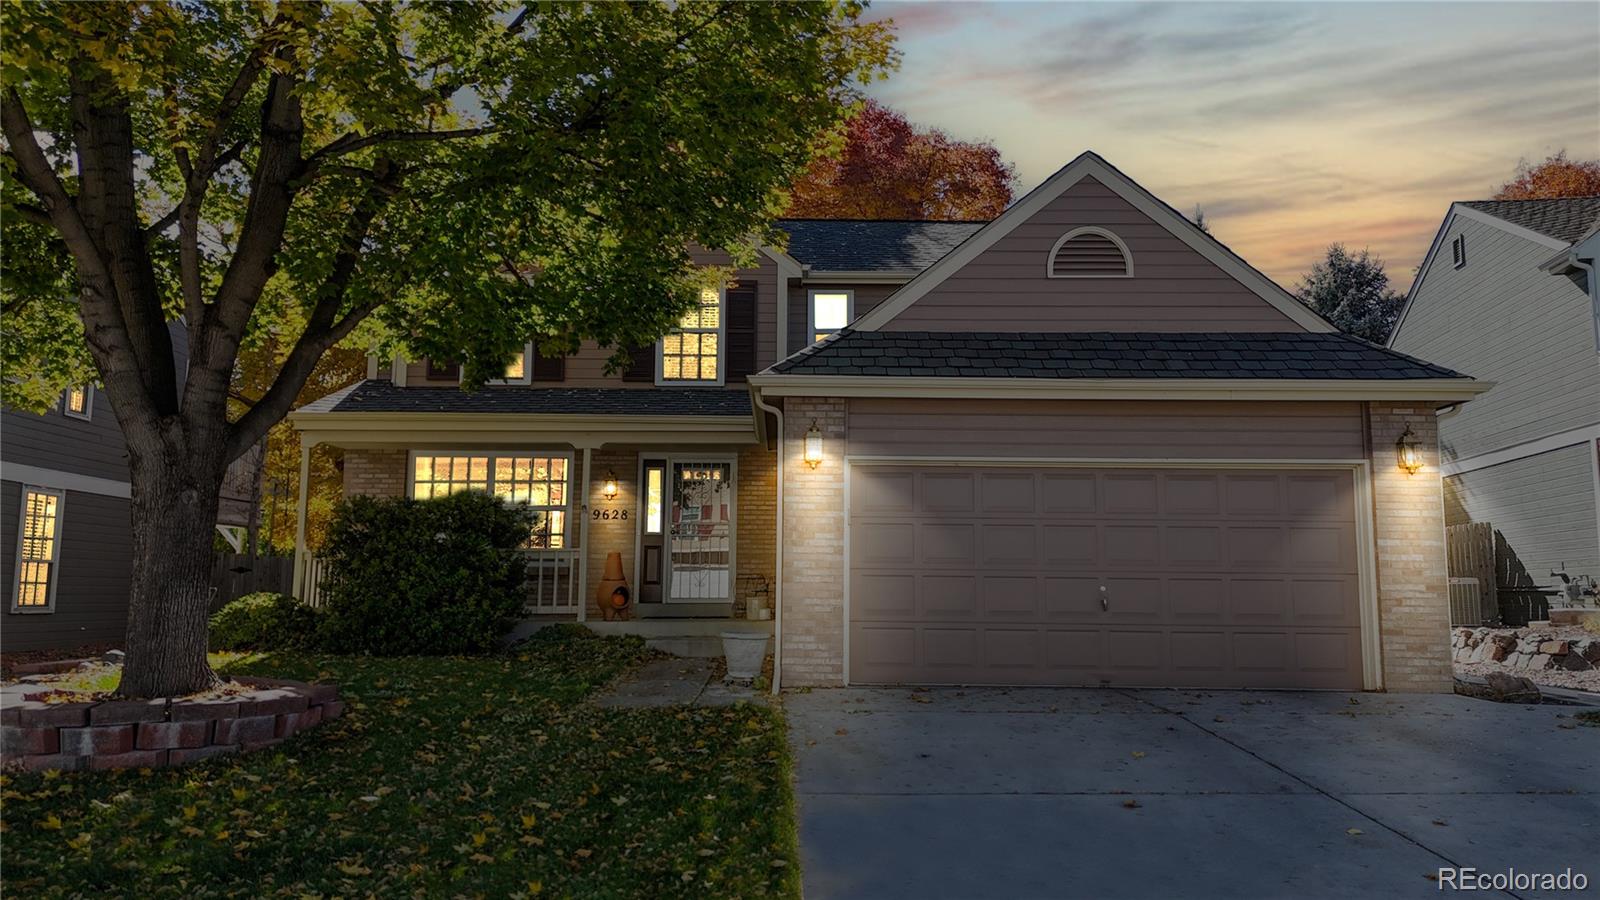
pixel 605 514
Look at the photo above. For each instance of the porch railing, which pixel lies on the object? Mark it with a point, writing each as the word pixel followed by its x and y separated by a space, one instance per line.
pixel 550 581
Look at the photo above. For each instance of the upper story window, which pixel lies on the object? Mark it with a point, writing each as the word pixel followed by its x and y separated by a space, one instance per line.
pixel 1089 252
pixel 692 353
pixel 78 401
pixel 1458 250
pixel 38 550
pixel 520 369
pixel 830 311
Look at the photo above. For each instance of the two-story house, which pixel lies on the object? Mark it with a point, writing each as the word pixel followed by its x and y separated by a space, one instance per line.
pixel 1507 292
pixel 1083 443
pixel 65 546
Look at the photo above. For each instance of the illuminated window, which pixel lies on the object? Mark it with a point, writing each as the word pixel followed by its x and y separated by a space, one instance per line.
pixel 653 499
pixel 39 550
pixel 519 370
pixel 537 482
pixel 830 311
pixel 692 353
pixel 79 402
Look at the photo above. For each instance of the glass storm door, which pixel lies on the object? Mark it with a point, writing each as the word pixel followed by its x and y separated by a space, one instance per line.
pixel 700 533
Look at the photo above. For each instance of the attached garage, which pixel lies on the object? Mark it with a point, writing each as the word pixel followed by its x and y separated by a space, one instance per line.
pixel 1137 576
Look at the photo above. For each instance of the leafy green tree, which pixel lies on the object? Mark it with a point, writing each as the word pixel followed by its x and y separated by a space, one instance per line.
pixel 452 177
pixel 1352 291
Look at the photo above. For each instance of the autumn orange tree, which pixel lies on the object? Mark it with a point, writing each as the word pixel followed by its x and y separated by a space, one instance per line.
pixel 883 167
pixel 1557 176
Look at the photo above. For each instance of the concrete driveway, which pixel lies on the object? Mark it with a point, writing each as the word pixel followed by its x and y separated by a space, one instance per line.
pixel 1119 793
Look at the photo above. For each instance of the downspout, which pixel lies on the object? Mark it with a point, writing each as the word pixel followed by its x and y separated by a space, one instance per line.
pixel 777 585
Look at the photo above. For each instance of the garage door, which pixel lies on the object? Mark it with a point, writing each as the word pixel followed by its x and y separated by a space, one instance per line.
pixel 1138 577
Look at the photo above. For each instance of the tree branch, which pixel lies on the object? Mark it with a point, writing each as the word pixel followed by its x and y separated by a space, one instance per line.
pixel 350 142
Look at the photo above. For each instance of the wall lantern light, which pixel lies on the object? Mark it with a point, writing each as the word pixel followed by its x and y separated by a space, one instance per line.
pixel 813 455
pixel 608 489
pixel 1408 452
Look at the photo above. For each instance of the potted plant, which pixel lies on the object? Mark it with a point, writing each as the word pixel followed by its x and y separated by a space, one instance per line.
pixel 745 651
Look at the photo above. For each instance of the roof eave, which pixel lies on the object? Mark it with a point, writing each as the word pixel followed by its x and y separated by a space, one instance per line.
pixel 1444 390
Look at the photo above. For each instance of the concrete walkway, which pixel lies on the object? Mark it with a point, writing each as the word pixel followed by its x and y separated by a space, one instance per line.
pixel 1154 794
pixel 676 682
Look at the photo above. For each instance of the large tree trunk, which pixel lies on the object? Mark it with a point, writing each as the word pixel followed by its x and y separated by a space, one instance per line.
pixel 175 493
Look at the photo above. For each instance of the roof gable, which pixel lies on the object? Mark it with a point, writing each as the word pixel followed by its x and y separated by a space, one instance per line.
pixel 1281 312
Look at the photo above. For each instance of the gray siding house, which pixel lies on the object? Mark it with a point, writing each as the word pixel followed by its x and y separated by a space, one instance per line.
pixel 65 545
pixel 1508 292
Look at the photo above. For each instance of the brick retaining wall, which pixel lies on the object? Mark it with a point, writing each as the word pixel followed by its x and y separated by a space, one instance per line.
pixel 125 734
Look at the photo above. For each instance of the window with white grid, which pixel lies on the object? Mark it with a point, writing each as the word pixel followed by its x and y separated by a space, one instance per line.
pixel 38 550
pixel 692 352
pixel 538 482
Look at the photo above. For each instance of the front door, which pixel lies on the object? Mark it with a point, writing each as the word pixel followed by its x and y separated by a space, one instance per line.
pixel 699 554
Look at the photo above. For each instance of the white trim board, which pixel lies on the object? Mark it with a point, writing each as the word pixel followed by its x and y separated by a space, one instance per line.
pixel 1090 164
pixel 65 481
pixel 1372 675
pixel 1561 441
pixel 1418 389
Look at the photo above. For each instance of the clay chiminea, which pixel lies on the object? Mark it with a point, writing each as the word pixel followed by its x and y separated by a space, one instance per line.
pixel 612 593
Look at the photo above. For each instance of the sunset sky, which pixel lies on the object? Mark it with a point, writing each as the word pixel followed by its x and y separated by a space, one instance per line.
pixel 1293 125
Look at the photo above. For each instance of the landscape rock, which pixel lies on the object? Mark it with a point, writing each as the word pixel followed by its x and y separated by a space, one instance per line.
pixel 1511 688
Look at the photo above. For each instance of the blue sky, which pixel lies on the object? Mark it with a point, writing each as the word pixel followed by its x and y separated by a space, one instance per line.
pixel 1292 124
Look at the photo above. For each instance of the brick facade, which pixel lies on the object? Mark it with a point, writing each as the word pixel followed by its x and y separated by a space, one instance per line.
pixel 608 534
pixel 1408 512
pixel 813 545
pixel 376 473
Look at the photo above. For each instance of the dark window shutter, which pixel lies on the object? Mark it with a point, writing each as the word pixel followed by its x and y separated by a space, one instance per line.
pixel 548 368
pixel 441 370
pixel 643 365
pixel 741 333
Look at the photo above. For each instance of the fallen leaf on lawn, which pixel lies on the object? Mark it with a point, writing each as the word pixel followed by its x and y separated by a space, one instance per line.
pixel 535 887
pixel 1130 803
pixel 705 851
pixel 779 863
pixel 583 853
pixel 528 821
pixel 1138 754
pixel 1354 831
pixel 481 858
pixel 842 732
pixel 51 822
pixel 354 869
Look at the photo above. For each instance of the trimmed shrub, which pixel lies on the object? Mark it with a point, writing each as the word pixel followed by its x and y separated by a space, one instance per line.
pixel 423 577
pixel 263 621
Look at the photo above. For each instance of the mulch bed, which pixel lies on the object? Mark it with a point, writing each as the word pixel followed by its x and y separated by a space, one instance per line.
pixel 11 659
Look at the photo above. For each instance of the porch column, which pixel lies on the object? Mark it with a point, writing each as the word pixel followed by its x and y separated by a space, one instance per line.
pixel 583 540
pixel 300 515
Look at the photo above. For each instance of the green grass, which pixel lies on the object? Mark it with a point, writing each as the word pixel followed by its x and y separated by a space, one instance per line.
pixel 446 777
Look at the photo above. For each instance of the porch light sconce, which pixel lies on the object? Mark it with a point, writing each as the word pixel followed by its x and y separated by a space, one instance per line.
pixel 608 488
pixel 813 454
pixel 1408 452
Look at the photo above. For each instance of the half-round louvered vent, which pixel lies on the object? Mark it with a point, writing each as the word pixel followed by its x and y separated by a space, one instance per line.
pixel 1090 253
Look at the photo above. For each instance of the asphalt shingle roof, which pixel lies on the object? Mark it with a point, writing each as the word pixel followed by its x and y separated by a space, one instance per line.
pixel 1106 355
pixel 1565 219
pixel 382 396
pixel 837 245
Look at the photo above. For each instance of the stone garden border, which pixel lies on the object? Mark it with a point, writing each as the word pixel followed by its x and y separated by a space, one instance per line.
pixel 129 734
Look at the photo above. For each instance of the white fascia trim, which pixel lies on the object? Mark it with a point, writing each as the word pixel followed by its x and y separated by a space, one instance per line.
pixel 788 267
pixel 1439 389
pixel 1088 164
pixel 1585 435
pixel 65 481
pixel 1465 212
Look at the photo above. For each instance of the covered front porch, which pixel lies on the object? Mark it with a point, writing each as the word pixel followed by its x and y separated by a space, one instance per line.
pixel 677 511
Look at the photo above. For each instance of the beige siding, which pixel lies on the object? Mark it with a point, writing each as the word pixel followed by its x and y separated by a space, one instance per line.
pixel 1543 505
pixel 1500 319
pixel 1103 429
pixel 1174 288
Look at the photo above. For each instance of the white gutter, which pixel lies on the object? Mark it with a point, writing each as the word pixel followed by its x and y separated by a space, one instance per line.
pixel 777 581
pixel 944 387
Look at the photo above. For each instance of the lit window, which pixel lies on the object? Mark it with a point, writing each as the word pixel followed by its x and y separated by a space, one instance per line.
pixel 79 401
pixel 830 311
pixel 537 482
pixel 39 551
pixel 518 368
pixel 692 352
pixel 653 499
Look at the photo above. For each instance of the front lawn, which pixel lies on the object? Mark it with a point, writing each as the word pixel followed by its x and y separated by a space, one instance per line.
pixel 446 777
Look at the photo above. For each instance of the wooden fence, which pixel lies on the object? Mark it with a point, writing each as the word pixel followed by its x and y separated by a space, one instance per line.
pixel 234 574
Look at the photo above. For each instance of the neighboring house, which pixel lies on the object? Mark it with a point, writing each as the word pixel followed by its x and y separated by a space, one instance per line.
pixel 1083 443
pixel 65 543
pixel 1508 292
